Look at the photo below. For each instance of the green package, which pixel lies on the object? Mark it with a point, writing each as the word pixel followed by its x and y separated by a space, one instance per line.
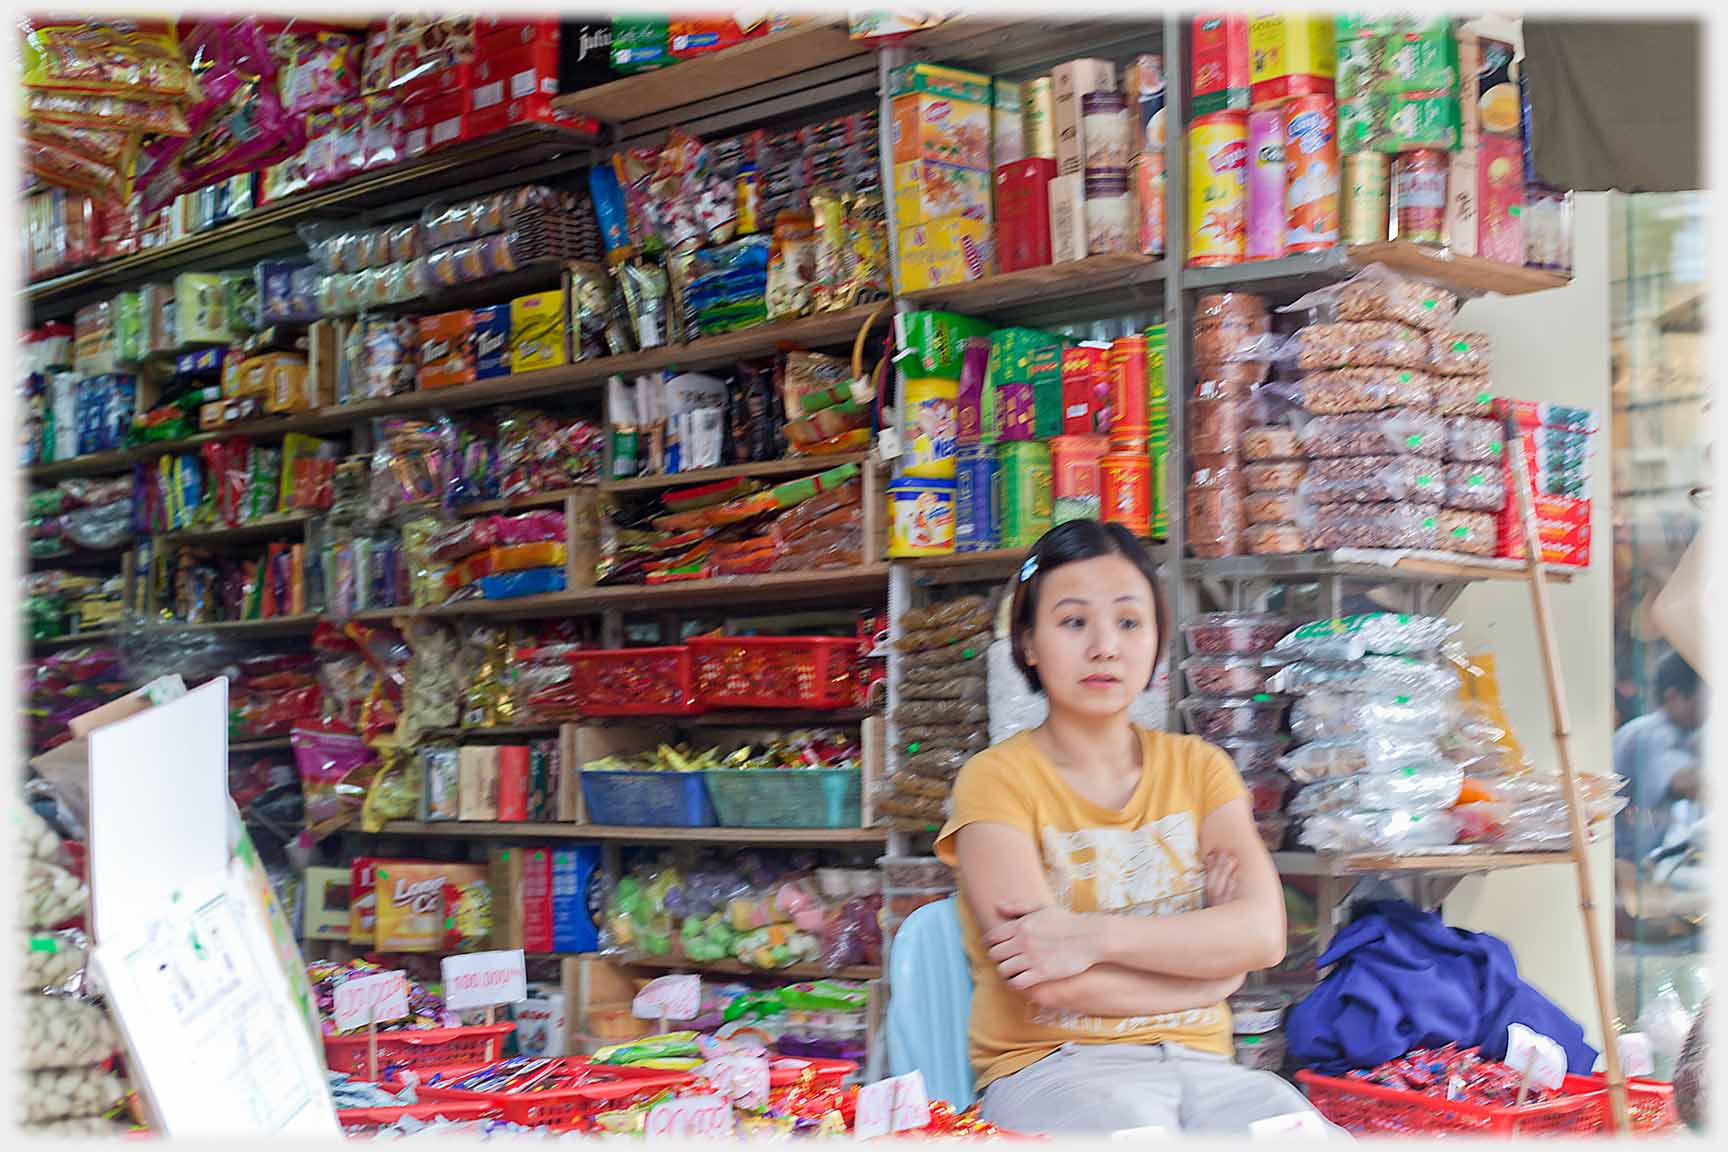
pixel 936 341
pixel 241 289
pixel 1045 371
pixel 1157 386
pixel 1419 120
pixel 640 45
pixel 128 311
pixel 1158 447
pixel 1361 123
pixel 1422 56
pixel 1011 352
pixel 1358 64
pixel 1027 492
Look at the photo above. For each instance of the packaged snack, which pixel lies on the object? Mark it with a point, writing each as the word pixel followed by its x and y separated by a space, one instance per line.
pixel 1215 420
pixel 1377 293
pixel 1231 340
pixel 426 907
pixel 1234 633
pixel 1216 307
pixel 61 1032
pixel 1427 788
pixel 1472 533
pixel 440 768
pixel 1214 506
pixel 1335 712
pixel 1218 717
pixel 1361 343
pixel 1370 479
pixel 1270 539
pixel 1380 831
pixel 1352 637
pixel 1224 675
pixel 1399 430
pixel 1254 753
pixel 1404 526
pixel 1459 353
pixel 1384 675
pixel 1365 390
pixel 1233 379
pixel 1471 440
pixel 1274 508
pixel 1383 752
pixel 1461 395
pixel 1270 442
pixel 1274 476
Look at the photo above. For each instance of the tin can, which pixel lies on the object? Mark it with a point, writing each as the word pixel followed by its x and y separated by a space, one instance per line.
pixel 1128 403
pixel 1107 130
pixel 1038 117
pixel 920 517
pixel 1217 205
pixel 928 427
pixel 1026 507
pixel 1149 187
pixel 1419 184
pixel 1075 477
pixel 1367 197
pixel 1311 174
pixel 1126 491
pixel 1266 176
pixel 976 496
pixel 1110 225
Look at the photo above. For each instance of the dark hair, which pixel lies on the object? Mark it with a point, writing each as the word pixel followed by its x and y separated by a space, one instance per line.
pixel 1069 543
pixel 1673 672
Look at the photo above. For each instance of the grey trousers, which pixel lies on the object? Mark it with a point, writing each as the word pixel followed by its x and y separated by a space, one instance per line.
pixel 1094 1089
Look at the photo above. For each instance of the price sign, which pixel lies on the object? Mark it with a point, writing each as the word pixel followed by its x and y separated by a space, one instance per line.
pixel 371 1000
pixel 484 980
pixel 690 1118
pixel 669 998
pixel 1538 1058
pixel 895 1105
pixel 741 1077
pixel 1291 1124
pixel 1635 1058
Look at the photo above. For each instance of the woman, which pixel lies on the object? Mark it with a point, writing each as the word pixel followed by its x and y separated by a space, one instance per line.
pixel 1115 889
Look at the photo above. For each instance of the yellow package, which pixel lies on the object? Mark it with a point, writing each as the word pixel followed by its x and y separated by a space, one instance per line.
pixel 537 338
pixel 519 557
pixel 950 251
pixel 1479 687
pixel 428 907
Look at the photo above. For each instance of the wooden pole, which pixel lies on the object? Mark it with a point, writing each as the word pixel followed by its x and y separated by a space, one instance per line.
pixel 1580 837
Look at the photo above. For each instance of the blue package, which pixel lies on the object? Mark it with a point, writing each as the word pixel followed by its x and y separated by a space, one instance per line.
pixel 573 927
pixel 491 341
pixel 529 582
pixel 117 411
pixel 86 405
pixel 608 206
pixel 287 292
pixel 977 483
pixel 203 360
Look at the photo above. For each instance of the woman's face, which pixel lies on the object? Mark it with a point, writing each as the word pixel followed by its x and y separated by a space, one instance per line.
pixel 1094 635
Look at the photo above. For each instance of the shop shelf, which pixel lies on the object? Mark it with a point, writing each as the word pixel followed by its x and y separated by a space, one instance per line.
pixel 263 528
pixel 1468 275
pixel 771 588
pixel 1456 860
pixel 791 466
pixel 1051 285
pixel 461 829
pixel 1366 564
pixel 786 797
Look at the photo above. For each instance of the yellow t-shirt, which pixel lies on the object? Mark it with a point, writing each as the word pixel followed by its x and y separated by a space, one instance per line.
pixel 1142 860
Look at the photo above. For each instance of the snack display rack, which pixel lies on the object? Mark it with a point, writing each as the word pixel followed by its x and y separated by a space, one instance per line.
pixel 752 84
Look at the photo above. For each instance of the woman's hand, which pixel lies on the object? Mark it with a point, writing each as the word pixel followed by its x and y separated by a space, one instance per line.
pixel 1220 878
pixel 1034 945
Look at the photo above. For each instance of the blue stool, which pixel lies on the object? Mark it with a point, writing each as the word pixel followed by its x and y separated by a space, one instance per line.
pixel 930 1005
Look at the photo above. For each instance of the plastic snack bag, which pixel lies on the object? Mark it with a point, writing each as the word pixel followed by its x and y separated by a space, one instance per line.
pixel 336 772
pixel 1352 637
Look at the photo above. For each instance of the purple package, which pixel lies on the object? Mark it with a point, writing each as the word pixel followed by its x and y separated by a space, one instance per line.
pixel 1016 411
pixel 1266 178
pixel 287 292
pixel 969 404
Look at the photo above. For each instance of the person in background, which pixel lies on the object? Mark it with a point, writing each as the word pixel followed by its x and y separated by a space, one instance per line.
pixel 1659 754
pixel 1115 891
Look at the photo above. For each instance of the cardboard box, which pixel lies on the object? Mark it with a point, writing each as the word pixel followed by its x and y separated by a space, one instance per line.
pixel 1044 372
pixel 1086 385
pixel 478 786
pixel 536 107
pixel 1023 214
pixel 537 933
pixel 447 349
pixel 278 378
pixel 1007 126
pixel 324 904
pixel 940 114
pixel 1289 55
pixel 499 33
pixel 950 251
pixel 541 1023
pixel 1220 69
pixel 1500 199
pixel 538 338
pixel 1462 220
pixel 447 120
pixel 1070 82
pixel 201 308
pixel 692 37
pixel 520 72
pixel 1067 218
pixel 925 191
pixel 491 341
pixel 573 928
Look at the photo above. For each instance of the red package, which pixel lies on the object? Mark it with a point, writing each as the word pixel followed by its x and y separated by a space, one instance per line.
pixel 530 527
pixel 64 168
pixel 1023 213
pixel 447 120
pixel 513 783
pixel 537 916
pixel 515 75
pixel 381 132
pixel 347 146
pixel 1086 383
pixel 698 37
pixel 499 33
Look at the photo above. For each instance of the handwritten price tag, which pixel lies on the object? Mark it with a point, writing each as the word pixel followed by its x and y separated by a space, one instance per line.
pixel 669 998
pixel 1635 1058
pixel 895 1105
pixel 1301 1125
pixel 741 1077
pixel 1539 1057
pixel 484 980
pixel 371 1000
pixel 690 1117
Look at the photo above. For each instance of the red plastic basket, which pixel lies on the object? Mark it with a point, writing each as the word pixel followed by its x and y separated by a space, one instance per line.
pixel 1360 1107
pixel 1650 1103
pixel 426 1048
pixel 368 1118
pixel 776 671
pixel 634 681
pixel 568 1107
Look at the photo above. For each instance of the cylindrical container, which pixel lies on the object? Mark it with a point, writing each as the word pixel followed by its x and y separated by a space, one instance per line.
pixel 1107 130
pixel 1266 209
pixel 1311 174
pixel 976 484
pixel 626 444
pixel 920 517
pixel 1075 476
pixel 1127 491
pixel 1149 185
pixel 1026 506
pixel 1110 225
pixel 928 427
pixel 1038 117
pixel 1419 185
pixel 1218 189
pixel 1367 198
pixel 1128 406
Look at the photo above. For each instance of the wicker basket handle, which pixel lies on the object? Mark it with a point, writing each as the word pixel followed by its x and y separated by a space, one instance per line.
pixel 864 337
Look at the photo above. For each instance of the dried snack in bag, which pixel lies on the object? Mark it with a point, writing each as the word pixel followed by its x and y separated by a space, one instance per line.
pixel 1270 442
pixel 61 1032
pixel 1325 759
pixel 1476 487
pixel 1460 353
pixel 1231 340
pixel 1380 831
pixel 1415 788
pixel 1215 421
pixel 1388 675
pixel 1275 508
pixel 1461 395
pixel 1404 431
pixel 52 895
pixel 1217 717
pixel 1217 307
pixel 1224 675
pixel 1365 390
pixel 1274 476
pixel 1360 344
pixel 51 1094
pixel 1339 713
pixel 1231 379
pixel 1234 633
pixel 1402 527
pixel 1274 539
pixel 53 961
pixel 1378 293
pixel 1352 637
pixel 1254 753
pixel 1214 509
pixel 1370 479
pixel 1474 440
pixel 1472 533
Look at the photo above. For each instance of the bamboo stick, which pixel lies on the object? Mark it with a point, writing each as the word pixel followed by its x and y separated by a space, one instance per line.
pixel 1580 840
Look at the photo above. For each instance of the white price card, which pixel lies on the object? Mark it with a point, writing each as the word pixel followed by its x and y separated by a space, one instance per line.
pixel 899 1104
pixel 371 1000
pixel 1529 1053
pixel 690 1118
pixel 1635 1057
pixel 741 1077
pixel 484 980
pixel 1291 1125
pixel 669 998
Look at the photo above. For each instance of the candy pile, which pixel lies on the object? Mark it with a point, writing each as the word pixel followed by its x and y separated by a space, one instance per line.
pixel 943 715
pixel 425 1010
pixel 1457 1074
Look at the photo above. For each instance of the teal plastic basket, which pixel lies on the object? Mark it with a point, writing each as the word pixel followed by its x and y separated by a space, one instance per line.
pixel 786 797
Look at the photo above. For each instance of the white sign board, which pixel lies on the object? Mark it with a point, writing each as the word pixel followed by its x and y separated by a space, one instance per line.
pixel 669 998
pixel 1538 1057
pixel 690 1118
pixel 370 1000
pixel 484 980
pixel 898 1104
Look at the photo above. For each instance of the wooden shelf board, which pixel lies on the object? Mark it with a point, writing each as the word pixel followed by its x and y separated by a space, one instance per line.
pixel 97 636
pixel 791 466
pixel 1368 863
pixel 521 503
pixel 496 732
pixel 1468 275
pixel 1046 284
pixel 1312 565
pixel 458 829
pixel 275 743
pixel 770 588
pixel 264 528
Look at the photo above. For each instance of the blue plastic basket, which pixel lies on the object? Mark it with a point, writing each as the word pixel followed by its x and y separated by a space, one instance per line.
pixel 648 799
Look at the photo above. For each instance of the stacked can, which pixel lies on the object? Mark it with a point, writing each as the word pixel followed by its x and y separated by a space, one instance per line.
pixel 1125 472
pixel 976 496
pixel 1366 183
pixel 1158 429
pixel 1146 103
pixel 1110 227
pixel 1266 184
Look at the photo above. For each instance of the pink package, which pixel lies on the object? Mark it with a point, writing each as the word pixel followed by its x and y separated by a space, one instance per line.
pixel 317 71
pixel 320 162
pixel 1265 184
pixel 531 527
pixel 464 538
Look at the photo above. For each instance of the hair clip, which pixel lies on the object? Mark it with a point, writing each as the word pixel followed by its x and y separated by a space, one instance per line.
pixel 1029 569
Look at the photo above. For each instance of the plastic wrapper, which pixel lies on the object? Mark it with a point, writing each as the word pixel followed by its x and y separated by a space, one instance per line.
pixel 1352 637
pixel 1325 759
pixel 1390 832
pixel 64 1093
pixel 916 712
pixel 1475 487
pixel 1461 395
pixel 1472 533
pixel 62 1032
pixel 1224 675
pixel 1394 526
pixel 966 688
pixel 1274 476
pixel 1215 421
pixel 1427 788
pixel 336 771
pixel 1270 442
pixel 1333 713
pixel 1231 379
pixel 34 839
pixel 1378 293
pixel 1345 390
pixel 1370 479
pixel 1355 344
pixel 1472 440
pixel 1219 307
pixel 52 895
pixel 1460 353
pixel 1254 753
pixel 1231 339
pixel 530 528
pixel 1275 508
pixel 52 961
pixel 945 614
pixel 942 764
pixel 1389 675
pixel 1214 508
pixel 1234 633
pixel 1220 717
pixel 1266 791
pixel 1401 431
pixel 1274 539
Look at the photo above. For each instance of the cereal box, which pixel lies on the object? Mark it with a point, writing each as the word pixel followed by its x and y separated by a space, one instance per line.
pixel 950 251
pixel 430 907
pixel 1290 56
pixel 537 337
pixel 941 114
pixel 925 191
